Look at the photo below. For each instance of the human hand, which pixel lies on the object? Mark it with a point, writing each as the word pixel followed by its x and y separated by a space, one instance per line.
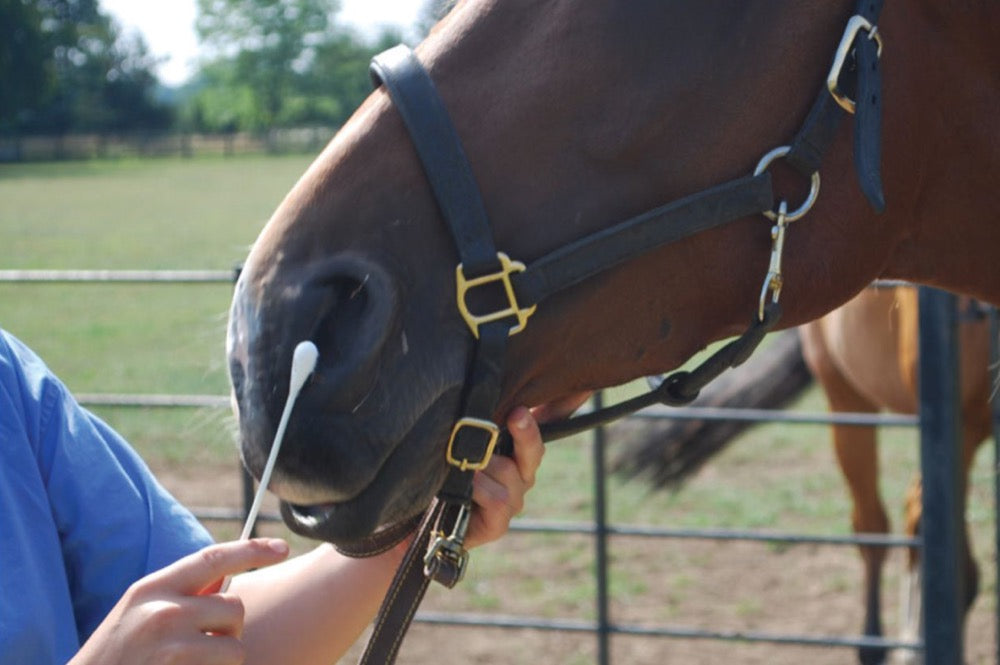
pixel 174 615
pixel 561 408
pixel 498 490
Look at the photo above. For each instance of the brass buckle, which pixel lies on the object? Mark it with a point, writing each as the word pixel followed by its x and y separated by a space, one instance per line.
pixel 856 24
pixel 507 267
pixel 464 464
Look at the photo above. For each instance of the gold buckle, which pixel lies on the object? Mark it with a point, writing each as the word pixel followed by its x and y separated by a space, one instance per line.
pixel 464 464
pixel 506 268
pixel 856 24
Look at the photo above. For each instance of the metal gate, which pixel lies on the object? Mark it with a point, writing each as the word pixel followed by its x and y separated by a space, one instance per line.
pixel 939 425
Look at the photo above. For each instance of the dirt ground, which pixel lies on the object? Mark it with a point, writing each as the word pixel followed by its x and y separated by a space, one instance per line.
pixel 722 586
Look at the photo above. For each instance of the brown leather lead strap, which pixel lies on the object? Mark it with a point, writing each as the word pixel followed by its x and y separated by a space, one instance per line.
pixel 404 595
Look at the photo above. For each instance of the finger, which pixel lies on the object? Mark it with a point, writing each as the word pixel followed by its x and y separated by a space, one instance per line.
pixel 528 446
pixel 560 408
pixel 494 491
pixel 493 511
pixel 220 614
pixel 198 571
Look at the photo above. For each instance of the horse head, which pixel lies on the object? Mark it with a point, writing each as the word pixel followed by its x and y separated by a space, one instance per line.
pixel 573 115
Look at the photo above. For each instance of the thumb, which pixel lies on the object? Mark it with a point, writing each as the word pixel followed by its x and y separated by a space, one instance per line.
pixel 206 568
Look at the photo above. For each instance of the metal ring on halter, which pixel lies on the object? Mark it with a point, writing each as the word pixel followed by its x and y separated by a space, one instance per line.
pixel 807 205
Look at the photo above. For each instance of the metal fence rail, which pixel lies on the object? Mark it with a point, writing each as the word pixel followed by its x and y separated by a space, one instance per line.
pixel 942 643
pixel 118 276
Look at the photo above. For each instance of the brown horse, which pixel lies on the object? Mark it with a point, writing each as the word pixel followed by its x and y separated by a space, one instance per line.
pixel 864 355
pixel 575 114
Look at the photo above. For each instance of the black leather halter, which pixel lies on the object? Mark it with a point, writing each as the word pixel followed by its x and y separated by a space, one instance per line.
pixel 438 550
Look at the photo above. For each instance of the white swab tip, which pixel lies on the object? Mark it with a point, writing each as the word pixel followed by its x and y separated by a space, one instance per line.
pixel 303 363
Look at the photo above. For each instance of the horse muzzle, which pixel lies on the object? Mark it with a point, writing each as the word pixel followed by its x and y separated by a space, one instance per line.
pixel 341 432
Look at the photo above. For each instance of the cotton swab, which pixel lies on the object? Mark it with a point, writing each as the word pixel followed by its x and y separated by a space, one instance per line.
pixel 303 363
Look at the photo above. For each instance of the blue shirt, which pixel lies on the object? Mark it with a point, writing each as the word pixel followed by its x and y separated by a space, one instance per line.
pixel 81 516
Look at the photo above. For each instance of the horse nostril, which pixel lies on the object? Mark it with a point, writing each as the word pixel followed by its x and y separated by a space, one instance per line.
pixel 348 304
pixel 357 316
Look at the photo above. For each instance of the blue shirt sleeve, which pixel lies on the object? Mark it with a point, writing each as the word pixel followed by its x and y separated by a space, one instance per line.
pixel 81 516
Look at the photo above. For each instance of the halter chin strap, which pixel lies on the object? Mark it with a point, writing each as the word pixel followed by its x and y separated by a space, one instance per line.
pixel 438 550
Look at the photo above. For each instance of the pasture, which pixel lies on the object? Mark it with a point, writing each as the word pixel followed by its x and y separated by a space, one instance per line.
pixel 203 214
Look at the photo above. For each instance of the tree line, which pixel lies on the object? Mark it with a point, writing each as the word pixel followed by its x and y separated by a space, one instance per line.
pixel 67 67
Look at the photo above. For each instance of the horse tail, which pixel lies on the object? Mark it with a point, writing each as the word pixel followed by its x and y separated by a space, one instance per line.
pixel 667 452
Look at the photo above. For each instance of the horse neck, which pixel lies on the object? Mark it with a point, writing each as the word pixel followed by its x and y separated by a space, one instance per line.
pixel 942 82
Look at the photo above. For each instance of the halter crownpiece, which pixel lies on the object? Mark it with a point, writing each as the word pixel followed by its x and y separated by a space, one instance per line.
pixel 438 550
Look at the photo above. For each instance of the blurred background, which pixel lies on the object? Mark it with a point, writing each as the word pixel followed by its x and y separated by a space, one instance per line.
pixel 86 78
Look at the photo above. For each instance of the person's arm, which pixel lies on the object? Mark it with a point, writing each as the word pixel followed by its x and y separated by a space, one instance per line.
pixel 307 610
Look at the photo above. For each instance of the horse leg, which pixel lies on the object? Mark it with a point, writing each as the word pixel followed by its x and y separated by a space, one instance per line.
pixel 911 589
pixel 972 437
pixel 857 454
pixel 970 567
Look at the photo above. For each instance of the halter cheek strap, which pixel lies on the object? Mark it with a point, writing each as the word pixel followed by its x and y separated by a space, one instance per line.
pixel 853 86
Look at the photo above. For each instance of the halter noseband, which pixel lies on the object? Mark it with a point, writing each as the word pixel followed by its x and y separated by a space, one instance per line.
pixel 438 551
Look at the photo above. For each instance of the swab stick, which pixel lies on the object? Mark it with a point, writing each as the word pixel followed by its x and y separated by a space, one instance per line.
pixel 303 363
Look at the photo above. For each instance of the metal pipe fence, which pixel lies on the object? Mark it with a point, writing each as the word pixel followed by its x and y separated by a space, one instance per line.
pixel 938 422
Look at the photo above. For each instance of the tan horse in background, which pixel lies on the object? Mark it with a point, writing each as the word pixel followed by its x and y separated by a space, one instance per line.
pixel 865 355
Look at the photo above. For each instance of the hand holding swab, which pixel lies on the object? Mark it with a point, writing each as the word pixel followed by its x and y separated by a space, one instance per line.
pixel 303 363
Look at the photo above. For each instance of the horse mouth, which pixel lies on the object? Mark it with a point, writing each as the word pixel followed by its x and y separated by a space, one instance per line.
pixel 312 515
pixel 335 521
pixel 343 524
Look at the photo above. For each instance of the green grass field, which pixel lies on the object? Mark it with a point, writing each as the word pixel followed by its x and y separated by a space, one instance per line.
pixel 160 214
pixel 203 214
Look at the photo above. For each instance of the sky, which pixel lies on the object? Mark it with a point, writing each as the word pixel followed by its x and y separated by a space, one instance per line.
pixel 168 26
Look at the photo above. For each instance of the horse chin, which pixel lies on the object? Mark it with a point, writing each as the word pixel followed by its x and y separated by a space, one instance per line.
pixel 379 507
pixel 340 524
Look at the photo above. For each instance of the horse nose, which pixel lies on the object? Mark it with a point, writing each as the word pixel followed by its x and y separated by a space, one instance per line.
pixel 357 315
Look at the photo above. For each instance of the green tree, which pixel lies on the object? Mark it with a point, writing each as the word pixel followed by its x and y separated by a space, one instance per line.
pixel 269 44
pixel 218 101
pixel 338 81
pixel 130 84
pixel 431 12
pixel 25 77
pixel 64 66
